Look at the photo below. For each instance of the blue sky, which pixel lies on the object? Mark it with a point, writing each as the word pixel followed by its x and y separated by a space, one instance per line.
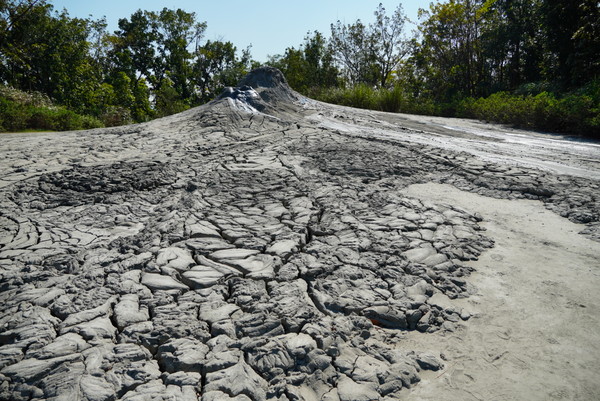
pixel 270 26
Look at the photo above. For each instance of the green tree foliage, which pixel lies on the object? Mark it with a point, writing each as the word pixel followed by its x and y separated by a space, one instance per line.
pixel 320 67
pixel 167 100
pixel 164 50
pixel 389 43
pixel 214 59
pixel 448 61
pixel 293 67
pixel 141 109
pixel 47 52
pixel 370 53
pixel 153 65
pixel 353 49
pixel 510 42
pixel 572 33
pixel 156 47
pixel 177 32
pixel 133 46
pixel 477 47
pixel 310 66
pixel 218 66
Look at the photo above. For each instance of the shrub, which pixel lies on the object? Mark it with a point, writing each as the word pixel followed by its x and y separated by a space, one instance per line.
pixel 40 118
pixel 115 116
pixel 390 100
pixel 360 96
pixel 13 116
pixel 36 99
pixel 22 110
pixel 90 122
pixel 577 113
pixel 67 120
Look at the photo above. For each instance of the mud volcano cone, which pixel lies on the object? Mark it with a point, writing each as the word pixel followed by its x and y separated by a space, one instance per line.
pixel 264 89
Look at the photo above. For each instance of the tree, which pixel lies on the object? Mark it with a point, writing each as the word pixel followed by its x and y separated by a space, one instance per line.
pixel 214 61
pixel 11 12
pixel 448 59
pixel 293 66
pixel 510 42
pixel 134 46
pixel 50 53
pixel 157 49
pixel 354 50
pixel 318 54
pixel 142 109
pixel 572 40
pixel 389 44
pixel 218 66
pixel 587 42
pixel 22 24
pixel 310 66
pixel 177 32
pixel 167 100
pixel 371 53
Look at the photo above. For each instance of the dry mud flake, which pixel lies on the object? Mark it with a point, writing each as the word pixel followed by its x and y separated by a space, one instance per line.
pixel 257 247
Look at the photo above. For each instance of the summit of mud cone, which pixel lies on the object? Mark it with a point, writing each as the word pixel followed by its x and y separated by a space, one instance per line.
pixel 264 89
pixel 265 77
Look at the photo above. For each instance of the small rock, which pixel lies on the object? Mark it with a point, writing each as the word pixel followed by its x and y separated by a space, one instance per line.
pixel 349 390
pixel 429 362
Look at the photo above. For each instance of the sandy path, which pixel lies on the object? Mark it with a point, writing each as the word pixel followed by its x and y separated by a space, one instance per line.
pixel 535 334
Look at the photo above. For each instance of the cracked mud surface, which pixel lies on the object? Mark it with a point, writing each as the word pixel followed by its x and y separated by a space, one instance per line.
pixel 258 247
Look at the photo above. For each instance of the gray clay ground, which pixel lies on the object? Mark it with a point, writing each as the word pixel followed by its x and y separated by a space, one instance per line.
pixel 258 247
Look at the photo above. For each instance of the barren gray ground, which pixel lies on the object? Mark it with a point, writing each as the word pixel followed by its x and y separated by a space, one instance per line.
pixel 266 246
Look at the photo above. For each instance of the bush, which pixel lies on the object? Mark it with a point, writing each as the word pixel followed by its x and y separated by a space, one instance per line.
pixel 13 116
pixel 360 96
pixel 61 119
pixel 115 116
pixel 36 99
pixel 577 112
pixel 581 113
pixel 21 111
pixel 40 119
pixel 390 100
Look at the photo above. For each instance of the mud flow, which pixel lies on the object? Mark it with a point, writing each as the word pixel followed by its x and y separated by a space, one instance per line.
pixel 268 246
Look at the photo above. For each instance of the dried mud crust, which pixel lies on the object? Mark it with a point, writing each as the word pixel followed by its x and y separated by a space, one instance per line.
pixel 227 253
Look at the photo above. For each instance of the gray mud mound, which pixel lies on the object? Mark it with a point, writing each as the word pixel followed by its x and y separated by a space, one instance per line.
pixel 264 90
pixel 241 250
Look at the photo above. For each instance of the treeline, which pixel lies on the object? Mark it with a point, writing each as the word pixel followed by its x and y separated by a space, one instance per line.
pixel 530 63
pixel 154 65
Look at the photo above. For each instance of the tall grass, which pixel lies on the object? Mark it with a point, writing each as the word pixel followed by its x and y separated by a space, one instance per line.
pixel 393 100
pixel 360 96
